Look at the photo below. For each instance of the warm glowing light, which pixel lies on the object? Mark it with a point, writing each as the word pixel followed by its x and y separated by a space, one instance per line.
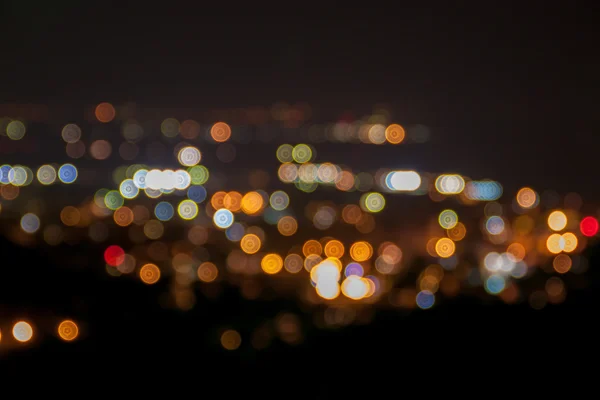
pixel 457 233
pixel 562 263
pixel 334 248
pixel 68 330
pixel 355 287
pixel 220 132
pixel 252 203
pixel 250 243
pixel 271 263
pixel 450 184
pixel 22 331
pixel 554 243
pixel 233 201
pixel 569 242
pixel 105 112
pixel 394 134
pixel 516 252
pixel 231 340
pixel 527 197
pixel 445 247
pixel 361 251
pixel 207 272
pixel 557 221
pixel 287 226
pixel 149 274
pixel 312 247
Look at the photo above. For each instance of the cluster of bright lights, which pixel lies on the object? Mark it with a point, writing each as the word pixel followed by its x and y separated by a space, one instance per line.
pixel 19 175
pixel 339 272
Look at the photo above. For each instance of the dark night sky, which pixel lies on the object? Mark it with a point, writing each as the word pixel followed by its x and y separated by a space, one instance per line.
pixel 510 92
pixel 504 88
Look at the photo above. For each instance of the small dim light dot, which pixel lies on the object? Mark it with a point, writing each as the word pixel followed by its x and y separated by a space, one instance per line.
pixel 231 340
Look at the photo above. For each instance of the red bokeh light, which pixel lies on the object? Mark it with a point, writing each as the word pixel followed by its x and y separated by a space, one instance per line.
pixel 114 255
pixel 589 226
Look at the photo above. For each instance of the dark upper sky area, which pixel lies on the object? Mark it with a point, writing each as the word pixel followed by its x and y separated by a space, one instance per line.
pixel 498 83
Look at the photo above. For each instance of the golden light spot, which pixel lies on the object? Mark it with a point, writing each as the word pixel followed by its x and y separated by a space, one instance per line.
pixel 287 225
pixel 22 331
pixel 562 263
pixel 312 247
pixel 105 112
pixel 355 287
pixel 70 216
pixel 334 248
pixel 149 274
pixel 271 263
pixel 250 243
pixel 457 233
pixel 361 251
pixel 217 201
pixel 233 201
pixel 220 132
pixel 252 203
pixel 68 330
pixel 231 340
pixel 123 216
pixel 394 134
pixel 526 197
pixel 557 220
pixel 445 247
pixel 516 252
pixel 207 272
pixel 569 242
pixel 553 243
